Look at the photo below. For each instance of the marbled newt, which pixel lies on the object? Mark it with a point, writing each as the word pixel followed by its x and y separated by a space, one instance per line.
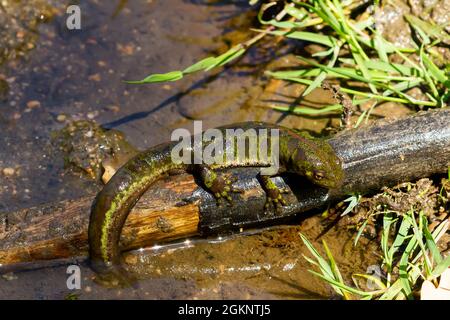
pixel 298 153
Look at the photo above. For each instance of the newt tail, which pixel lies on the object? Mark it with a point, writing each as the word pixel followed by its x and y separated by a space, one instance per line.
pixel 112 205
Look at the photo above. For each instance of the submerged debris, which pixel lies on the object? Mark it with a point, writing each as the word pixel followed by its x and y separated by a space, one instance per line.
pixel 19 21
pixel 89 148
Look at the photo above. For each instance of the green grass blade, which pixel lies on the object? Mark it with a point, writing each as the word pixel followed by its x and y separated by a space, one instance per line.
pixel 431 245
pixel 393 291
pixel 403 267
pixel 417 25
pixel 318 81
pixel 381 47
pixel 157 77
pixel 334 267
pixel 360 232
pixel 323 53
pixel 346 72
pixel 400 238
pixel 435 72
pixel 201 65
pixel 418 234
pixel 299 14
pixel 309 111
pixel 226 57
pixel 388 221
pixel 328 41
pixel 402 86
pixel 376 280
pixel 426 29
pixel 323 264
pixel 342 286
pixel 394 68
pixel 441 267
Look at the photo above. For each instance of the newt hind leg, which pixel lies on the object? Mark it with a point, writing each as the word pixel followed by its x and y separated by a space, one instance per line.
pixel 217 183
pixel 273 192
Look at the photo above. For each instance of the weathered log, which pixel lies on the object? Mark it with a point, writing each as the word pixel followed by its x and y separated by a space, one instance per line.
pixel 374 156
pixel 59 230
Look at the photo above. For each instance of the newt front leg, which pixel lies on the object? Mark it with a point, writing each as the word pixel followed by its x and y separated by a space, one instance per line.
pixel 274 194
pixel 217 183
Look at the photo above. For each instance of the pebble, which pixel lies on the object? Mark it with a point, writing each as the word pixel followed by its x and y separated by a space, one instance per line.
pixel 61 118
pixel 20 34
pixel 9 276
pixel 113 108
pixel 91 115
pixel 33 104
pixel 95 77
pixel 127 49
pixel 9 172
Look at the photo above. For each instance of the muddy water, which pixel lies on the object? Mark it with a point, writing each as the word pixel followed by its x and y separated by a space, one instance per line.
pixel 268 264
pixel 271 260
pixel 50 76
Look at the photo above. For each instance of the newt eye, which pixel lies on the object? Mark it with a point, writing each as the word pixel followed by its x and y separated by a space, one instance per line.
pixel 319 175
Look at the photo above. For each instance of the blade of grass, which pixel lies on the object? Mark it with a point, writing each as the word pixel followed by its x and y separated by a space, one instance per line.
pixel 419 237
pixel 344 287
pixel 393 67
pixel 388 221
pixel 334 268
pixel 201 65
pixel 325 40
pixel 431 245
pixel 403 264
pixel 318 80
pixel 347 72
pixel 308 111
pixel 426 29
pixel 416 24
pixel 376 280
pixel 437 74
pixel 360 232
pixel 226 57
pixel 363 94
pixel 380 47
pixel 441 267
pixel 402 235
pixel 324 266
pixel 157 77
pixel 427 74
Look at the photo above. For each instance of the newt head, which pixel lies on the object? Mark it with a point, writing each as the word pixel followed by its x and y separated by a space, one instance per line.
pixel 318 162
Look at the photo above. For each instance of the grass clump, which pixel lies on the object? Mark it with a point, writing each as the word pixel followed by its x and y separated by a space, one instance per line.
pixel 409 251
pixel 413 252
pixel 353 52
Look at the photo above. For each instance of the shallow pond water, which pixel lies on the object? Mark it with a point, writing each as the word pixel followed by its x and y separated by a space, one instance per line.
pixel 50 76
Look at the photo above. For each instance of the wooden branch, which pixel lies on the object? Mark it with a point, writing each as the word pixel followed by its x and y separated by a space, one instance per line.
pixel 374 156
pixel 60 230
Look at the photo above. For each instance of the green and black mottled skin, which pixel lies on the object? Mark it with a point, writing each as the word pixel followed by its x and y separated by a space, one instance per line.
pixel 298 153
